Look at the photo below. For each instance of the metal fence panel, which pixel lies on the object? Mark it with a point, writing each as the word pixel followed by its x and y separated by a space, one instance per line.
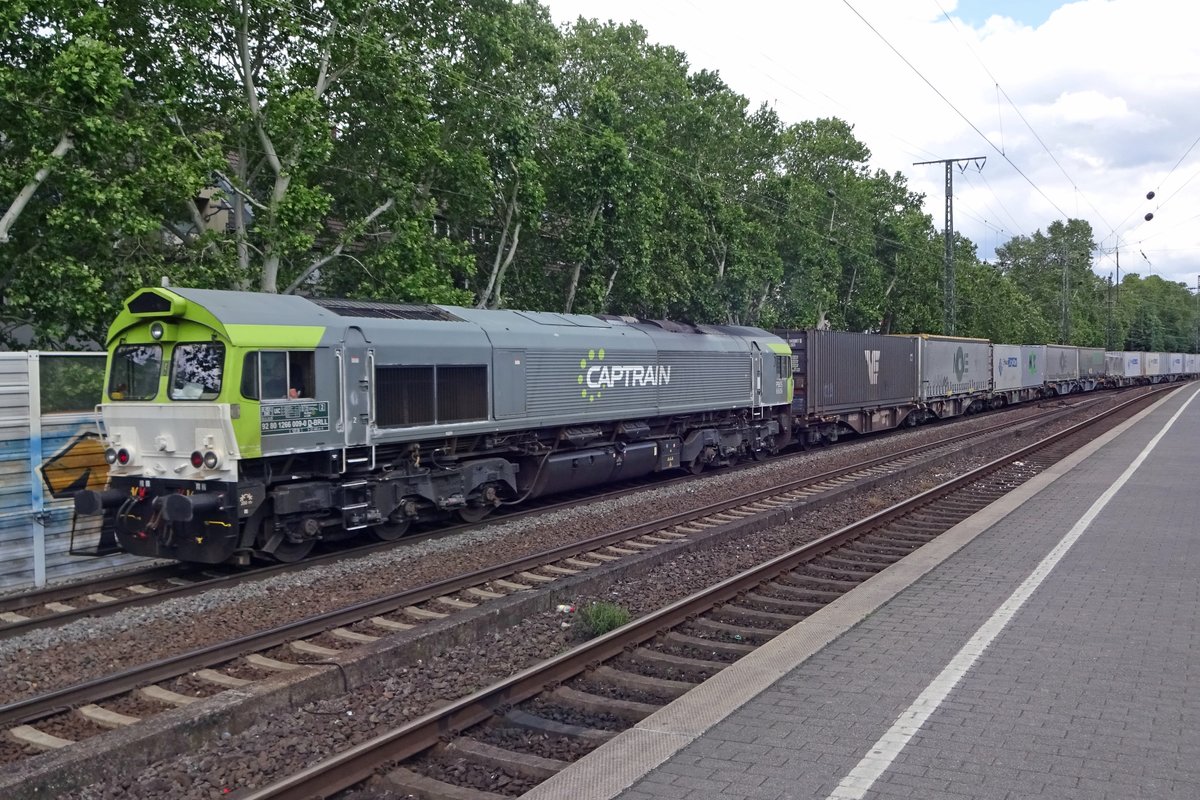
pixel 47 419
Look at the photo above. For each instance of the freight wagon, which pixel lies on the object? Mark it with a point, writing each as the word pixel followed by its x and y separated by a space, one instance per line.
pixel 856 382
pixel 1018 373
pixel 1091 367
pixel 956 374
pixel 1123 368
pixel 1062 369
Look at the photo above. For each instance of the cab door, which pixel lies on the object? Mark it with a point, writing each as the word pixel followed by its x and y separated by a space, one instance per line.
pixel 357 379
pixel 756 370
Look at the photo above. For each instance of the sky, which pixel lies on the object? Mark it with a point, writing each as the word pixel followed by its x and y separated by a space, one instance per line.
pixel 1082 108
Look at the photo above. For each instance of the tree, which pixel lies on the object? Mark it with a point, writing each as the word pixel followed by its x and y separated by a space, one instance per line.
pixel 92 177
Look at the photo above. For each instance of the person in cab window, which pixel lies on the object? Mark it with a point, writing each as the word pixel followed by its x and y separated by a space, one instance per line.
pixel 296 390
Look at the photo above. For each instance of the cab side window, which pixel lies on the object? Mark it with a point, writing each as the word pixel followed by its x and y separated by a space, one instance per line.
pixel 278 375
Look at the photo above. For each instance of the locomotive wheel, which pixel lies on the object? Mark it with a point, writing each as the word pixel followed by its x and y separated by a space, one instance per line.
pixel 697 465
pixel 390 531
pixel 473 514
pixel 291 552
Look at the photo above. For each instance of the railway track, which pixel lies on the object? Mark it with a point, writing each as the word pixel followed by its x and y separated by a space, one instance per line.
pixel 53 720
pixel 57 606
pixel 507 738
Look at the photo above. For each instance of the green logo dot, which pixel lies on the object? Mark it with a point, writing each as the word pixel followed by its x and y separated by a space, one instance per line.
pixel 582 364
pixel 591 354
pixel 583 393
pixel 579 379
pixel 601 353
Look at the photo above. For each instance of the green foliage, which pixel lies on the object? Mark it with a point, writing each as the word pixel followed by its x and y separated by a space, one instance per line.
pixel 70 383
pixel 473 153
pixel 597 619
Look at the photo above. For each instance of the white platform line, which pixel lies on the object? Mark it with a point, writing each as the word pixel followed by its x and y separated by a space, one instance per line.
pixel 859 780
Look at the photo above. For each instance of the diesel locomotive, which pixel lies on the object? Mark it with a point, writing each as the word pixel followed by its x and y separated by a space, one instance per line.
pixel 241 425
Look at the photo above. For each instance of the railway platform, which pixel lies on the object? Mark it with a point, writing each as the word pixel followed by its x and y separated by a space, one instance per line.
pixel 1048 647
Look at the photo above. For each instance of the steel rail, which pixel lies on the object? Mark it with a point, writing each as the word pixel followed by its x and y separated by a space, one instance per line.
pixel 40 706
pixel 356 764
pixel 20 602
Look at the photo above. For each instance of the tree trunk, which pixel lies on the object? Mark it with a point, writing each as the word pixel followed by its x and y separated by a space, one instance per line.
pixel 612 279
pixel 239 220
pixel 485 297
pixel 512 251
pixel 337 251
pixel 65 143
pixel 574 286
pixel 571 289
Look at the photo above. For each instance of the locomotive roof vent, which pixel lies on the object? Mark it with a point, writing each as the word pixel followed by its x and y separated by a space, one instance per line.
pixel 368 308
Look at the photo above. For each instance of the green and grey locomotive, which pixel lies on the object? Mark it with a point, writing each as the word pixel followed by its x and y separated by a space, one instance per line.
pixel 240 424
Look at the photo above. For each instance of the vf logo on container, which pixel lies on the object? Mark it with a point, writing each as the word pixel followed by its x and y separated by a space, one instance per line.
pixel 872 366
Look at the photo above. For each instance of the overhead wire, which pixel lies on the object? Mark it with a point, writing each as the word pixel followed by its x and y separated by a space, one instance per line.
pixel 955 108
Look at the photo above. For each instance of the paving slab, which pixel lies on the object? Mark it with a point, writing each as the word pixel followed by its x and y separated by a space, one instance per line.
pixel 1048 647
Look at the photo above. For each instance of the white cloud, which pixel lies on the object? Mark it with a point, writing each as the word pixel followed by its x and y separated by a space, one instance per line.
pixel 1111 86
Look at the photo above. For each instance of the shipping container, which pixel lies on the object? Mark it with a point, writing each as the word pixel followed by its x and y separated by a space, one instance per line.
pixel 1155 365
pixel 1033 360
pixel 1007 372
pixel 951 366
pixel 1091 362
pixel 1017 367
pixel 838 371
pixel 1191 363
pixel 1124 364
pixel 1176 367
pixel 1062 363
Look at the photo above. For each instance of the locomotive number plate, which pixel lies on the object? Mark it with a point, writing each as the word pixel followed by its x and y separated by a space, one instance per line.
pixel 292 417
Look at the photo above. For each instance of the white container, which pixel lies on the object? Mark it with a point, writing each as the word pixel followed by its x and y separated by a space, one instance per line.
pixel 951 366
pixel 1124 364
pixel 1006 367
pixel 1033 365
pixel 1062 363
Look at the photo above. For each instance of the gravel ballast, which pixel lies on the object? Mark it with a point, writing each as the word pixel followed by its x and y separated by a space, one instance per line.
pixel 283 744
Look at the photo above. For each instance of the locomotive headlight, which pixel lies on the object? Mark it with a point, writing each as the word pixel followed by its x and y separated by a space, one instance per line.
pixel 157 330
pixel 210 460
pixel 197 459
pixel 110 455
pixel 123 456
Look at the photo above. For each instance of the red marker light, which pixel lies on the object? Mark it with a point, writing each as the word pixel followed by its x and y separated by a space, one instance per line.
pixel 122 456
pixel 197 459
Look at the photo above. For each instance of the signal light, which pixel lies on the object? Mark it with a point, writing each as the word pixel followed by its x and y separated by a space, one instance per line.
pixel 123 456
pixel 211 460
pixel 110 456
pixel 197 459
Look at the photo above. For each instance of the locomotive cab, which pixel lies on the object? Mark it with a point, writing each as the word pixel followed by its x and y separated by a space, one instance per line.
pixel 187 400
